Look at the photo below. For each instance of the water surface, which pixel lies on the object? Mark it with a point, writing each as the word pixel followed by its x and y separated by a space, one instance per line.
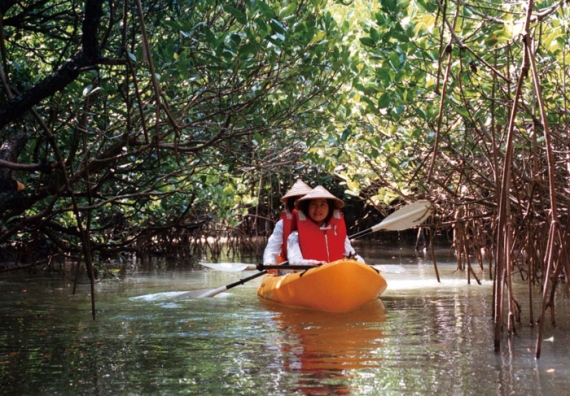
pixel 422 337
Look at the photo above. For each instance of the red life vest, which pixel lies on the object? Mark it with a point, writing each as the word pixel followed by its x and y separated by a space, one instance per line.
pixel 287 218
pixel 323 243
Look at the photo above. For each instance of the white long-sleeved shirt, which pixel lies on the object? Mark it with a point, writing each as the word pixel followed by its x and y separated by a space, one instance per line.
pixel 274 244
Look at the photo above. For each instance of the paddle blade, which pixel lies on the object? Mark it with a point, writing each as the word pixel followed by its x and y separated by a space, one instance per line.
pixel 389 268
pixel 229 267
pixel 201 293
pixel 407 217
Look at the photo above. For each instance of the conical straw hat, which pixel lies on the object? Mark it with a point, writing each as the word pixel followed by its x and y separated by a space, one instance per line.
pixel 320 192
pixel 299 189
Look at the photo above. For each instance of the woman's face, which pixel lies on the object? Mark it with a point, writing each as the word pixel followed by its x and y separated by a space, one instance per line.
pixel 318 210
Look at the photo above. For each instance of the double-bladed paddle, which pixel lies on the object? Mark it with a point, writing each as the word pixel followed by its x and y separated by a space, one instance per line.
pixel 407 217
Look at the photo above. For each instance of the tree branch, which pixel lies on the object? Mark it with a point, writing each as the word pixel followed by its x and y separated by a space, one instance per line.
pixel 87 58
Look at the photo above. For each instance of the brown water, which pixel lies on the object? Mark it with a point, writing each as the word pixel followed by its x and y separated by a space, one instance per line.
pixel 422 338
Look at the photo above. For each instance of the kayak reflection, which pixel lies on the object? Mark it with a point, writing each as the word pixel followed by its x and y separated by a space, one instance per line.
pixel 323 348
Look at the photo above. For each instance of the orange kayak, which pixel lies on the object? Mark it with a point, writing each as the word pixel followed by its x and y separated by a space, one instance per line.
pixel 340 286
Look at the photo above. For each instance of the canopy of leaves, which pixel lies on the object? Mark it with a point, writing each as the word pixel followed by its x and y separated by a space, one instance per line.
pixel 128 120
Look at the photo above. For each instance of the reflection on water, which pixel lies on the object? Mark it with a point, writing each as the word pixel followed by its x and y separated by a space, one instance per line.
pixel 324 348
pixel 423 337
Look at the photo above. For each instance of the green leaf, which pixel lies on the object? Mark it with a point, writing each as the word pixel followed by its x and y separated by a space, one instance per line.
pixel 389 5
pixel 395 60
pixel 248 50
pixel 462 111
pixel 367 41
pixel 287 11
pixel 384 100
pixel 345 134
pixel 384 76
pixel 240 16
pixel 429 6
pixel 374 35
pixel 278 27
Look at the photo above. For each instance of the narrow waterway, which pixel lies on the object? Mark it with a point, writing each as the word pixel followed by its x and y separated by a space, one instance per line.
pixel 421 338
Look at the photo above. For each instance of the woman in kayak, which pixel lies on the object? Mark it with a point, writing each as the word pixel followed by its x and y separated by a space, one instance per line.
pixel 318 230
pixel 276 249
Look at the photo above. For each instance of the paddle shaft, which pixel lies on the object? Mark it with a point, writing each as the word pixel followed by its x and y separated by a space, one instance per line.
pixel 388 268
pixel 242 281
pixel 361 233
pixel 285 265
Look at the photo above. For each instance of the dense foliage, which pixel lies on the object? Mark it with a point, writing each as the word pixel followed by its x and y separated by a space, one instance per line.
pixel 132 125
pixel 138 120
pixel 470 100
